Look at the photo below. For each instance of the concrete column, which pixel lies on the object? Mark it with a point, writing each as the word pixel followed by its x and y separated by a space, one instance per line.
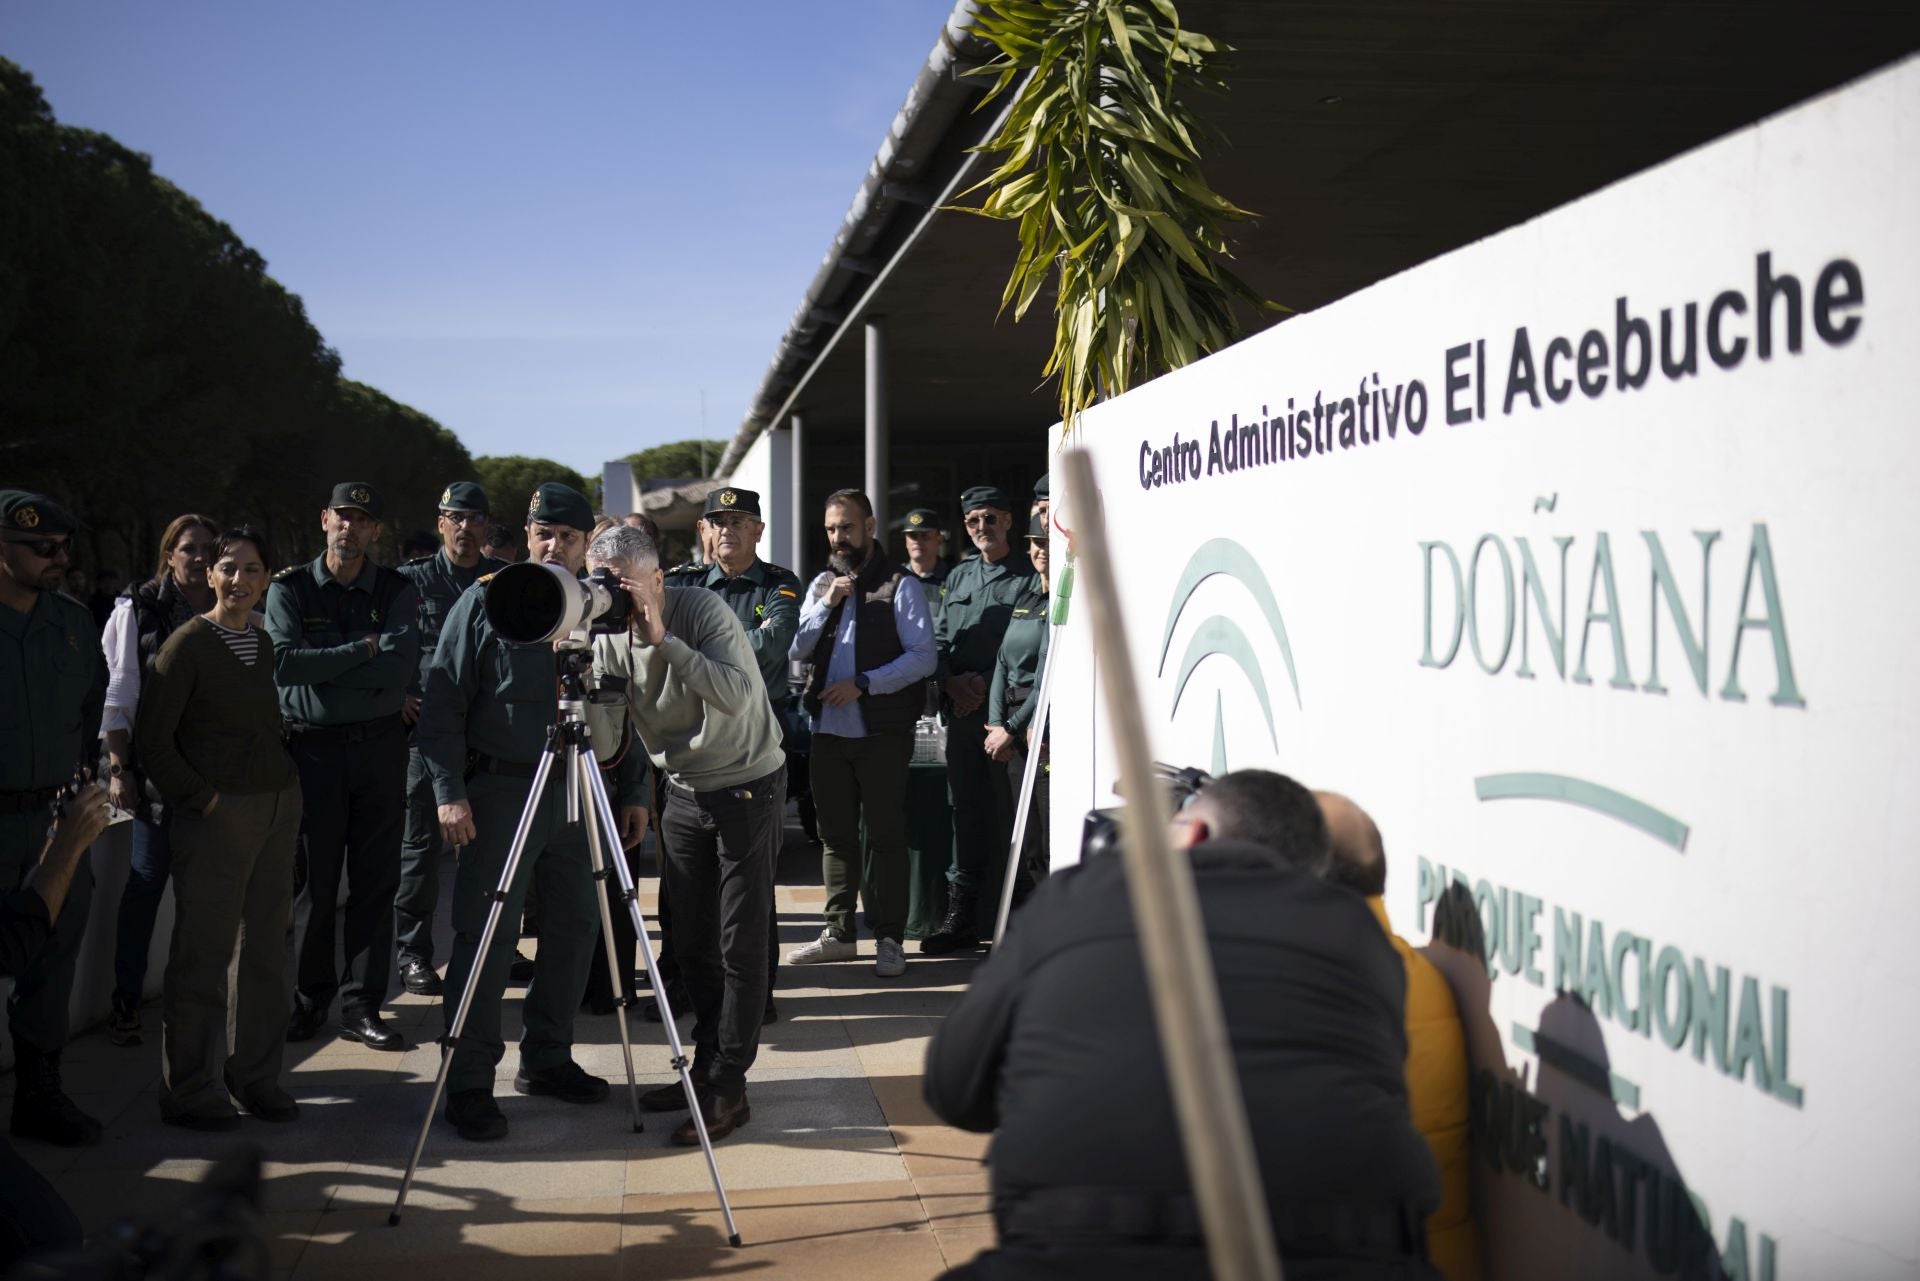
pixel 796 468
pixel 877 425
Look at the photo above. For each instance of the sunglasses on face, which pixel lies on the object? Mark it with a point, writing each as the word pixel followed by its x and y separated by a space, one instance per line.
pixel 44 548
pixel 464 518
pixel 982 522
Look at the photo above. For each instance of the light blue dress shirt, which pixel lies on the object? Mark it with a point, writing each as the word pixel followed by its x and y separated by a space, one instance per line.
pixel 916 662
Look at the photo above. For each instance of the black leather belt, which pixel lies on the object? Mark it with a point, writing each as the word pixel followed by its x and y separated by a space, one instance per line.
pixel 27 800
pixel 481 763
pixel 761 786
pixel 1017 695
pixel 357 732
pixel 1057 1215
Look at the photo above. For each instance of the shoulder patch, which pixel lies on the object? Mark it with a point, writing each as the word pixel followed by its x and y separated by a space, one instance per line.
pixel 485 578
pixel 788 592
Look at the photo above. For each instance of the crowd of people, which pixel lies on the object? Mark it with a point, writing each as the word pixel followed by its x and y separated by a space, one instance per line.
pixel 296 749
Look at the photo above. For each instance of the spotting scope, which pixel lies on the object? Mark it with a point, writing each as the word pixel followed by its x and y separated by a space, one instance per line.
pixel 530 603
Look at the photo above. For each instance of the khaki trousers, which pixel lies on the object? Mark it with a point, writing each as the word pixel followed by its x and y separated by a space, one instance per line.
pixel 226 969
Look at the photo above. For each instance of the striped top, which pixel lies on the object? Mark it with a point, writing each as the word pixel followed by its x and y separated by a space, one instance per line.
pixel 245 643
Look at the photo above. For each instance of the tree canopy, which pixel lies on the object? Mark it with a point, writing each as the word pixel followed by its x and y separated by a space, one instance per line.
pixel 510 480
pixel 150 366
pixel 681 458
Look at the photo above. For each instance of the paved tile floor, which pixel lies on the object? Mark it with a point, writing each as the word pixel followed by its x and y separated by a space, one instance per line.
pixel 842 1172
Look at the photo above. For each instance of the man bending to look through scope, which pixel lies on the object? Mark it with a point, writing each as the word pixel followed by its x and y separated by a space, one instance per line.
pixel 483 725
pixel 697 701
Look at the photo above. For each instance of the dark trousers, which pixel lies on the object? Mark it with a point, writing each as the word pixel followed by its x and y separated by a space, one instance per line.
pixel 1034 860
pixel 856 779
pixel 557 860
pixel 33 1217
pixel 982 802
pixel 233 879
pixel 721 849
pixel 147 874
pixel 355 801
pixel 625 942
pixel 37 1010
pixel 419 892
pixel 663 913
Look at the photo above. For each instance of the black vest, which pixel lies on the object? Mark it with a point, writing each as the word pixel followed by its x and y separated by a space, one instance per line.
pixel 876 642
pixel 157 610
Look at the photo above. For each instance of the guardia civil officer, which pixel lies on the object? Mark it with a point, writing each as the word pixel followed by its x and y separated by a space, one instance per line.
pixel 979 599
pixel 346 647
pixel 440 579
pixel 53 684
pixel 1011 706
pixel 766 600
pixel 483 725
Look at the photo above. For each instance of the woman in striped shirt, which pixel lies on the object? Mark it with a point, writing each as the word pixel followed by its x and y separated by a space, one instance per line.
pixel 208 735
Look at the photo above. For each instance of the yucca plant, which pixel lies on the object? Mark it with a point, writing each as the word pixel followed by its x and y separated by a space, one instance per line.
pixel 1100 167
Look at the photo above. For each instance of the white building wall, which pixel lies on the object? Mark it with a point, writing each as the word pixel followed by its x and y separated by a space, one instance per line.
pixel 767 469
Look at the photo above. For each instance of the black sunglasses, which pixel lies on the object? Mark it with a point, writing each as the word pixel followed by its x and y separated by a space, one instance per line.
pixel 44 548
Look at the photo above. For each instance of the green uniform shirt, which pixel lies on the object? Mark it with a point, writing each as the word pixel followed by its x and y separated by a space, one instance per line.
pixel 766 600
pixel 931 586
pixel 53 685
pixel 977 603
pixel 485 694
pixel 440 583
pixel 320 660
pixel 1022 651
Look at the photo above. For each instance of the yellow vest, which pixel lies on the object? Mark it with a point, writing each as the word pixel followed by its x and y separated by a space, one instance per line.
pixel 1437 1092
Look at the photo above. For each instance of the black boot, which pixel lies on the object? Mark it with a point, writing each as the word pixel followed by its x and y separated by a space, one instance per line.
pixel 958 930
pixel 41 1110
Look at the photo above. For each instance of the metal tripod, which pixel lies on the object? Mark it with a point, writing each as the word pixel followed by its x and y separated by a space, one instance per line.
pixel 569 743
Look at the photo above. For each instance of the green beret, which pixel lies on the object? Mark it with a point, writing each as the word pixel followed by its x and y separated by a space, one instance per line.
pixel 1040 486
pixel 984 496
pixel 557 504
pixel 23 512
pixel 465 496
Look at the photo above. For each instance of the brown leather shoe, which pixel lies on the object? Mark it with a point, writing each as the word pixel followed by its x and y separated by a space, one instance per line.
pixel 671 1097
pixel 724 1116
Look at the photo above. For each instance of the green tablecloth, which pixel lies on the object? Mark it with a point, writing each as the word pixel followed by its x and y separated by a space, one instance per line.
pixel 930 850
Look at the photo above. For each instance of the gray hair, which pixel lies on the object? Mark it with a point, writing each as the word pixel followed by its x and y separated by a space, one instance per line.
pixel 626 545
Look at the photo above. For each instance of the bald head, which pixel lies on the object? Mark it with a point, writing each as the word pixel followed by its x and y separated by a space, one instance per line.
pixel 1359 856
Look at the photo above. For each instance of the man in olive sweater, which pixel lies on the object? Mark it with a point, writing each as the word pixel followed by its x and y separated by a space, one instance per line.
pixel 697 701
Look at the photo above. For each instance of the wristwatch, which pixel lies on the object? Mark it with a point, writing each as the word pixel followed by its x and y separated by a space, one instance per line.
pixel 861 681
pixel 115 769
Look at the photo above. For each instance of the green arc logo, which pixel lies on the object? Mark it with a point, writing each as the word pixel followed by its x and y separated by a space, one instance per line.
pixel 1218 634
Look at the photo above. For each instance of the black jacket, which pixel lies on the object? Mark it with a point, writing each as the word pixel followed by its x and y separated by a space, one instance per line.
pixel 1054 1046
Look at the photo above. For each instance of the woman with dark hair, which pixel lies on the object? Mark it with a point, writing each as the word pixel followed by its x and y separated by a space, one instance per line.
pixel 142 619
pixel 209 737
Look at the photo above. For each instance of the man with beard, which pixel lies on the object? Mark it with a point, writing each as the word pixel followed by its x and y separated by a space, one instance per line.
pixel 346 648
pixel 53 684
pixel 440 578
pixel 979 597
pixel 866 633
pixel 483 726
pixel 766 600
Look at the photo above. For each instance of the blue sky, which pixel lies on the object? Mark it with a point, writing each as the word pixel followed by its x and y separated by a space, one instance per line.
pixel 548 226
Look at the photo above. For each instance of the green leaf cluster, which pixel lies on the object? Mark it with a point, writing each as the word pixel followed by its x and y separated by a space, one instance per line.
pixel 1099 164
pixel 510 480
pixel 676 459
pixel 150 366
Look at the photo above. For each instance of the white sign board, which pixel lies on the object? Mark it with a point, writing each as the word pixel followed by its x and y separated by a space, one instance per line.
pixel 1584 559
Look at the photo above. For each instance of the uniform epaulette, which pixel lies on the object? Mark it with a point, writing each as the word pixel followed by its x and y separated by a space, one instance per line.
pixel 485 578
pixel 420 560
pixel 687 568
pixel 283 575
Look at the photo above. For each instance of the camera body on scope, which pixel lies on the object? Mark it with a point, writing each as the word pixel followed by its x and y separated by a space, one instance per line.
pixel 534 604
pixel 1101 832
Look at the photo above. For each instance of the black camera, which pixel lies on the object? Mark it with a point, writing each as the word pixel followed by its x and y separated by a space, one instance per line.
pixel 1100 833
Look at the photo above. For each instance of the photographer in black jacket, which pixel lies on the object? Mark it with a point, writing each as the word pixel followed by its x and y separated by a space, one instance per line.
pixel 32 1215
pixel 1054 1048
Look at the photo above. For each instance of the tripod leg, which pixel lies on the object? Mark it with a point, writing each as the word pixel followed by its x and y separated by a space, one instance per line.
pixel 499 896
pixel 597 790
pixel 605 853
pixel 1025 807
